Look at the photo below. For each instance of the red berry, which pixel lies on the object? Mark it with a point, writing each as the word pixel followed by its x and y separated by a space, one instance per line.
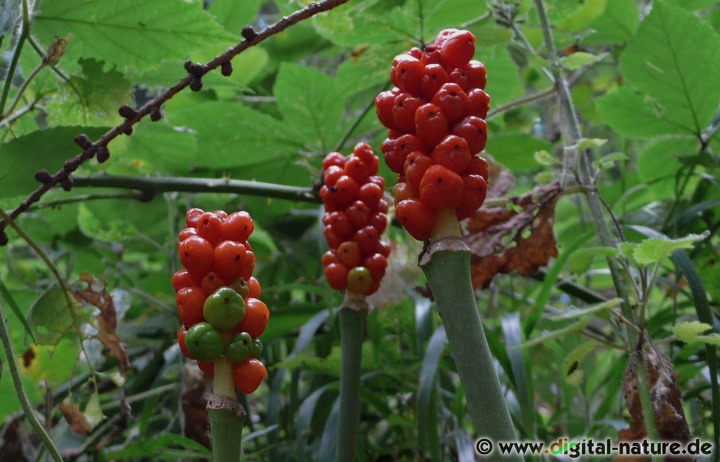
pixel 229 259
pixel 475 189
pixel 476 74
pixel 417 218
pixel 221 214
pixel 393 158
pixel 378 180
pixel 415 52
pixel 329 258
pixel 192 216
pixel 440 188
pixel 458 48
pixel 181 279
pixel 336 275
pixel 383 248
pixel 403 191
pixel 349 254
pixel 367 238
pixel 451 100
pixel 434 78
pixel 415 166
pixel 376 264
pixel 249 265
pixel 345 191
pixel 211 282
pixel 431 126
pixel 358 214
pixel 404 111
pixel 248 376
pixel 432 55
pixel 443 35
pixel 453 152
pixel 186 233
pixel 478 166
pixel 365 152
pixel 331 175
pixel 474 130
pixel 196 255
pixel 370 194
pixel 207 368
pixel 478 103
pixel 210 227
pixel 357 170
pixel 237 227
pixel 182 331
pixel 384 109
pixel 379 222
pixel 382 206
pixel 256 318
pixel 189 301
pixel 333 240
pixel 334 158
pixel 408 74
pixel 255 289
pixel 340 224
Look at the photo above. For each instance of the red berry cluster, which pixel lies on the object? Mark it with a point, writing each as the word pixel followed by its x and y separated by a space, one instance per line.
pixel 354 220
pixel 435 120
pixel 216 255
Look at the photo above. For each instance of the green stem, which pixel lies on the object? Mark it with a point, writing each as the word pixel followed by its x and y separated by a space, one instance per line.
pixel 20 390
pixel 352 332
pixel 447 268
pixel 154 185
pixel 226 415
pixel 22 89
pixel 24 32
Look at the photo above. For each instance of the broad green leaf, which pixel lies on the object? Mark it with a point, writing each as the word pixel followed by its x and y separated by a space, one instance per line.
pixel 99 94
pixel 693 5
pixel 51 363
pixel 661 160
pixel 570 366
pixel 503 83
pixel 582 17
pixel 516 150
pixel 581 260
pixel 711 339
pixel 655 249
pixel 234 14
pixel 171 149
pixel 580 312
pixel 491 35
pixel 234 135
pixel 574 327
pixel 670 59
pixel 579 60
pixel 50 317
pixel 449 13
pixel 10 402
pixel 10 300
pixel 617 24
pixel 310 103
pixel 689 331
pixel 22 157
pixel 130 33
pixel 93 411
pixel 631 113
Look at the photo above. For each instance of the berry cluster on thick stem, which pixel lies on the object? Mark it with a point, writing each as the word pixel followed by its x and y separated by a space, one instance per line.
pixel 435 119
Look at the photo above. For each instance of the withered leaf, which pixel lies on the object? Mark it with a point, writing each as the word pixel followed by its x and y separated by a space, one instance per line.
pixel 75 417
pixel 11 446
pixel 96 294
pixel 518 238
pixel 665 395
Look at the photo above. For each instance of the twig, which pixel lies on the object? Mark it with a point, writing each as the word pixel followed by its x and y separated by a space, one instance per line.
pixel 195 73
pixel 357 121
pixel 20 112
pixel 20 390
pixel 22 89
pixel 85 198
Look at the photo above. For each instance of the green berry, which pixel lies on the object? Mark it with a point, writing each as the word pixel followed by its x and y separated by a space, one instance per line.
pixel 257 348
pixel 204 343
pixel 241 286
pixel 240 348
pixel 224 309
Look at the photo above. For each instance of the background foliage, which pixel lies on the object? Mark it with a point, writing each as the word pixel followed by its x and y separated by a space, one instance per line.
pixel 643 81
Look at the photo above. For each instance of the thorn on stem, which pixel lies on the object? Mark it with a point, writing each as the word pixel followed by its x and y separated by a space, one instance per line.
pixel 196 84
pixel 3 238
pixel 71 165
pixel 248 32
pixel 127 112
pixel 66 183
pixel 146 195
pixel 42 176
pixel 156 113
pixel 103 154
pixel 128 130
pixel 195 69
pixel 226 69
pixel 83 141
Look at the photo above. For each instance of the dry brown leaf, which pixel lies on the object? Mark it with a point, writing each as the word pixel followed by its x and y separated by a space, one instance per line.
pixel 519 239
pixel 96 294
pixel 500 180
pixel 195 396
pixel 75 417
pixel 666 398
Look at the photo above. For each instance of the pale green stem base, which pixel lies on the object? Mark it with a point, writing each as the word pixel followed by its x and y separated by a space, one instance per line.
pixel 226 415
pixel 352 332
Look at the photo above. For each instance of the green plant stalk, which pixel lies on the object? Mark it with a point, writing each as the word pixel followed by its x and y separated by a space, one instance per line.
pixel 226 415
pixel 20 390
pixel 352 332
pixel 24 33
pixel 447 268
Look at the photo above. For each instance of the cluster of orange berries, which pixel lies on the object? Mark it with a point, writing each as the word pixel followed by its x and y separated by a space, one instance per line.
pixel 436 127
pixel 354 220
pixel 217 296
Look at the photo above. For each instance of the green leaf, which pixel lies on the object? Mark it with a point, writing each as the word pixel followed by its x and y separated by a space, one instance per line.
pixel 581 312
pixel 631 113
pixel 609 160
pixel 574 327
pixel 581 260
pixel 570 366
pixel 130 33
pixel 51 363
pixel 670 59
pixel 516 150
pixel 99 94
pixel 660 161
pixel 617 24
pixel 234 135
pixel 545 158
pixel 22 157
pixel 170 149
pixel 693 5
pixel 7 296
pixel 655 249
pixel 233 14
pixel 583 16
pixel 310 103
pixel 579 60
pixel 50 317
pixel 503 75
pixel 441 14
pixel 590 143
pixel 688 332
pixel 162 446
